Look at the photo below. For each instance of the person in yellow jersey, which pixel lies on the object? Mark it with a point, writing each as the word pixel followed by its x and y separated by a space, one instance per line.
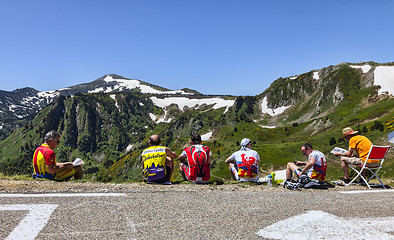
pixel 359 147
pixel 157 162
pixel 45 164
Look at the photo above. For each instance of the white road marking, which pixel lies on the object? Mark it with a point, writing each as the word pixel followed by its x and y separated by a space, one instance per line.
pixel 322 225
pixel 368 191
pixel 33 223
pixel 28 195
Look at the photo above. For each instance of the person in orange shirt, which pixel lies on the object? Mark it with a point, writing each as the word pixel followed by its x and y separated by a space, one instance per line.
pixel 359 147
pixel 45 164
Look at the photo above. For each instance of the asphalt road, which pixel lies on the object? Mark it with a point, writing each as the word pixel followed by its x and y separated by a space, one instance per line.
pixel 170 212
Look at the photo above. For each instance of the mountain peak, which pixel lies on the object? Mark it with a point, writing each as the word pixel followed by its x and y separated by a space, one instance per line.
pixel 116 83
pixel 26 90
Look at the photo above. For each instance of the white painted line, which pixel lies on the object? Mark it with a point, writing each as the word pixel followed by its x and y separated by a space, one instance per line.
pixel 29 195
pixel 33 223
pixel 322 225
pixel 368 191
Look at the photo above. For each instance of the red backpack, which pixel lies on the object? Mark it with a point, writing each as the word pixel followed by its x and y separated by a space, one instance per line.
pixel 198 159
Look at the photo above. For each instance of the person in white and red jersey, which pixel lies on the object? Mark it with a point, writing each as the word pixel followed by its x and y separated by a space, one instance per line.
pixel 315 167
pixel 194 161
pixel 244 164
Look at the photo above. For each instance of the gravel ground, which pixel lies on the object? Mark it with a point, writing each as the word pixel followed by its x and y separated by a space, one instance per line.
pixel 45 186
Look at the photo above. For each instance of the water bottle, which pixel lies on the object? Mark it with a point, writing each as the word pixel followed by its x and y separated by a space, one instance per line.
pixel 269 183
pixel 273 178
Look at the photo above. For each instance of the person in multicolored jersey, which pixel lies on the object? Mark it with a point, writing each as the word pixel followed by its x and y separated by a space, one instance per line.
pixel 244 163
pixel 315 167
pixel 359 147
pixel 194 161
pixel 45 164
pixel 157 162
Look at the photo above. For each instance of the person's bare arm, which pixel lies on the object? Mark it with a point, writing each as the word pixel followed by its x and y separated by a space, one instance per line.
pixel 171 154
pixel 55 168
pixel 308 165
pixel 349 153
pixel 300 163
pixel 229 160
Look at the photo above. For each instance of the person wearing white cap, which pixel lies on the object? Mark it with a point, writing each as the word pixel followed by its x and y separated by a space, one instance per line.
pixel 359 147
pixel 244 164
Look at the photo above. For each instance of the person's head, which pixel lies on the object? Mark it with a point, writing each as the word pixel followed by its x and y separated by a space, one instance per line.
pixel 348 133
pixel 246 143
pixel 195 138
pixel 154 140
pixel 306 149
pixel 52 138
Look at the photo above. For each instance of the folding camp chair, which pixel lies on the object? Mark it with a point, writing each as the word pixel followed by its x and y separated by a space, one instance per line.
pixel 376 155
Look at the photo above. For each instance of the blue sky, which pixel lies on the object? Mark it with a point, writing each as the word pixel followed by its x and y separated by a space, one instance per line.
pixel 213 46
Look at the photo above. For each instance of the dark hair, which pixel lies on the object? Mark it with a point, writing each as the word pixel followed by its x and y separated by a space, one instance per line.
pixel 307 146
pixel 154 141
pixel 51 135
pixel 195 138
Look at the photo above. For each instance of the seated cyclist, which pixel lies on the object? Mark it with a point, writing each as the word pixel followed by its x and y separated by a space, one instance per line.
pixel 315 167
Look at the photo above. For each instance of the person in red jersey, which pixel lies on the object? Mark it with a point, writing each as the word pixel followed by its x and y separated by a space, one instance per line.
pixel 45 164
pixel 194 161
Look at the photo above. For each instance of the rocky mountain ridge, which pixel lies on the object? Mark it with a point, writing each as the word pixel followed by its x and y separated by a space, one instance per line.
pixel 315 92
pixel 318 92
pixel 18 106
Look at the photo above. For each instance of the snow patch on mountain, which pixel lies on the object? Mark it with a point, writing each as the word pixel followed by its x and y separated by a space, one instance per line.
pixel 384 77
pixel 206 137
pixel 113 96
pixel 129 147
pixel 183 102
pixel 365 68
pixel 49 94
pixel 128 84
pixel 163 119
pixel 316 75
pixel 152 116
pixel 270 127
pixel 101 90
pixel 271 111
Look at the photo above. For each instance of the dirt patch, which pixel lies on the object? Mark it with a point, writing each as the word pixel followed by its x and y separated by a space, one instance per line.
pixel 46 186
